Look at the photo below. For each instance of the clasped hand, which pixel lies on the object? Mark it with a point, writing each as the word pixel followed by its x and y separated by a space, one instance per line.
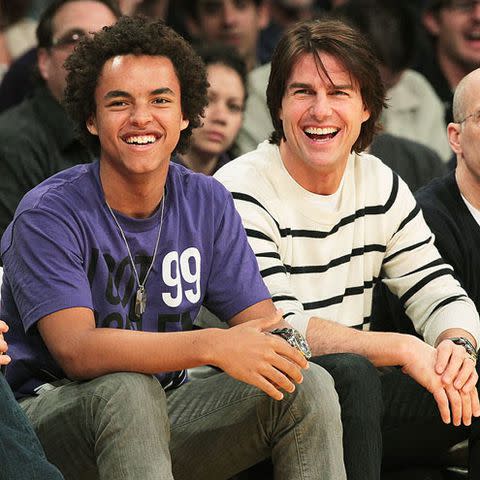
pixel 4 358
pixel 449 373
pixel 248 353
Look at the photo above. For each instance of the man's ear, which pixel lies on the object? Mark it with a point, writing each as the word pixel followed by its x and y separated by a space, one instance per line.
pixel 453 132
pixel 184 123
pixel 43 62
pixel 91 124
pixel 430 21
pixel 264 14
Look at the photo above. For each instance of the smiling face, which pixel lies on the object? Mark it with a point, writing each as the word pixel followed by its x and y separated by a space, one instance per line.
pixel 224 113
pixel 138 115
pixel 321 122
pixel 457 31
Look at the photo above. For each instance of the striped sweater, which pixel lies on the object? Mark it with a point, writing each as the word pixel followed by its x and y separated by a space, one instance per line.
pixel 325 262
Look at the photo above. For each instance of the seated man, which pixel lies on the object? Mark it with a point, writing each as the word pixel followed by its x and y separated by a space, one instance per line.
pixel 106 265
pixel 451 207
pixel 21 454
pixel 326 222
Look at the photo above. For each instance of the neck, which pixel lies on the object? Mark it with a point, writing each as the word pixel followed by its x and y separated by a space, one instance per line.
pixel 468 183
pixel 321 181
pixel 200 162
pixel 133 196
pixel 452 71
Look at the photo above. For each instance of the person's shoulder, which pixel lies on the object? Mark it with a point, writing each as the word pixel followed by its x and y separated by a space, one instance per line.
pixel 19 121
pixel 194 187
pixel 66 188
pixel 252 170
pixel 438 193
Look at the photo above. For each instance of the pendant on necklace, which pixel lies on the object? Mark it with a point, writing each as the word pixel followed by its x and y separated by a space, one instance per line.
pixel 140 301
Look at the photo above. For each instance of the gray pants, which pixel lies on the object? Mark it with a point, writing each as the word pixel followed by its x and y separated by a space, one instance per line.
pixel 124 426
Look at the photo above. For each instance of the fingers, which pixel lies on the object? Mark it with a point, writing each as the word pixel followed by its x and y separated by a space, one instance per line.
pixel 465 374
pixel 475 403
pixel 454 355
pixel 455 401
pixel 267 387
pixel 283 348
pixel 443 405
pixel 5 359
pixel 466 408
pixel 3 327
pixel 291 370
pixel 471 383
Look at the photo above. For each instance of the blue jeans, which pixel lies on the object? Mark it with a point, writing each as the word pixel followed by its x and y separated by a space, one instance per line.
pixel 21 455
pixel 125 426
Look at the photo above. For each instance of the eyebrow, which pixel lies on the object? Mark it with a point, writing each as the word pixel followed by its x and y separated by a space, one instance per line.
pixel 346 86
pixel 122 93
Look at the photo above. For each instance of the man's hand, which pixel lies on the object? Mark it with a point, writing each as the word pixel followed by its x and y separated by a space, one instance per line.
pixel 456 366
pixel 4 358
pixel 247 353
pixel 454 404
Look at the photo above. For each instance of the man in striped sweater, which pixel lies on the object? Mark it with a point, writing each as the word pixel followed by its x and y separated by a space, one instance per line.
pixel 326 222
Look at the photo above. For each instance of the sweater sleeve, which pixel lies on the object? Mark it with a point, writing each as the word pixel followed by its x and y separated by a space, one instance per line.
pixel 424 283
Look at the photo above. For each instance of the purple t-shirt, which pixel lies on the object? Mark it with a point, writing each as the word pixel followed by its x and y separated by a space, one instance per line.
pixel 63 249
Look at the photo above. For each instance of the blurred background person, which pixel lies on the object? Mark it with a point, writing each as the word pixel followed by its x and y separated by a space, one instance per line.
pixel 209 144
pixel 237 23
pixel 454 50
pixel 414 110
pixel 37 139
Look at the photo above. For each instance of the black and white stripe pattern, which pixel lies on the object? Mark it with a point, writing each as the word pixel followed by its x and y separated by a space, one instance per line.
pixel 322 263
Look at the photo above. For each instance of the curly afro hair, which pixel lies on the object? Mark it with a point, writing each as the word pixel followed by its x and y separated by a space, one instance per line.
pixel 133 36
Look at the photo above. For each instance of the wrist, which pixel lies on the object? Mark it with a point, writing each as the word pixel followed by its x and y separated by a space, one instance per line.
pixel 210 345
pixel 407 346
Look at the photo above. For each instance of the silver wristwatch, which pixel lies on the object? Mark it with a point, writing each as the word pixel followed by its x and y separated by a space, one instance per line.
pixel 467 345
pixel 295 339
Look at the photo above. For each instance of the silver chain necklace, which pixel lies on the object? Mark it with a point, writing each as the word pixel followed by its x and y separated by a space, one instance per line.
pixel 141 295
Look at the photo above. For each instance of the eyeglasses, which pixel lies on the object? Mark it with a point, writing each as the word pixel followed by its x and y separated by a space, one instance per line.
pixel 463 5
pixel 474 115
pixel 69 39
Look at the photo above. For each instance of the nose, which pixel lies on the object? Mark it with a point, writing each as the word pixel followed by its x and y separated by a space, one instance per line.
pixel 229 13
pixel 217 112
pixel 476 10
pixel 321 106
pixel 140 116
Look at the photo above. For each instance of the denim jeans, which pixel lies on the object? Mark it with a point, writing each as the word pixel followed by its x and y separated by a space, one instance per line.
pixel 392 422
pixel 359 390
pixel 21 455
pixel 124 426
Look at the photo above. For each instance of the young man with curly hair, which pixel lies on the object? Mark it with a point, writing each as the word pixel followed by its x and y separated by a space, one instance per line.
pixel 106 266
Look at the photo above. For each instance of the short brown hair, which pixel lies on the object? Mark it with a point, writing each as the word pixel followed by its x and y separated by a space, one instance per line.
pixel 348 46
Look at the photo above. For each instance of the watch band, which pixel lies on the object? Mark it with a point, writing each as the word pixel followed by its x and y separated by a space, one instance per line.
pixel 467 345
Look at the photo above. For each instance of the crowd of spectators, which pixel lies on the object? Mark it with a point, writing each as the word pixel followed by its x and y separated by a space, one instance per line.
pixel 344 249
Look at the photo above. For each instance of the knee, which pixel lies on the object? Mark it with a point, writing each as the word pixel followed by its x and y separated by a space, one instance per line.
pixel 130 394
pixel 351 370
pixel 318 391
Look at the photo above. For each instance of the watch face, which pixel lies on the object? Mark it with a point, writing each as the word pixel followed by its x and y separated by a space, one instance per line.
pixel 295 339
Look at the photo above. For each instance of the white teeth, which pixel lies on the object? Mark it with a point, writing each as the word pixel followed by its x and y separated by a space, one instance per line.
pixel 321 131
pixel 141 139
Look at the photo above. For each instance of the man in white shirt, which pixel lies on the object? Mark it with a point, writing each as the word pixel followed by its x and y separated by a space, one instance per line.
pixel 326 222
